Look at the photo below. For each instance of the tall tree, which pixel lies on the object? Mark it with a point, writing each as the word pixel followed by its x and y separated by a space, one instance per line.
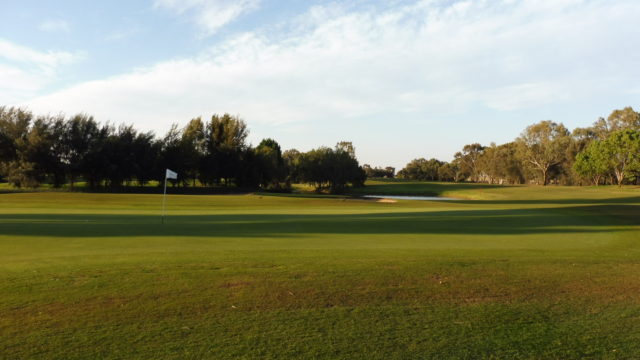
pixel 293 160
pixel 421 169
pixel 193 143
pixel 592 162
pixel 388 172
pixel 120 155
pixel 146 150
pixel 346 146
pixel 331 169
pixel 489 165
pixel 272 170
pixel 43 151
pixel 510 165
pixel 14 132
pixel 622 152
pixel 93 168
pixel 542 146
pixel 468 160
pixel 81 135
pixel 626 118
pixel 225 143
pixel 581 138
pixel 448 172
pixel 171 154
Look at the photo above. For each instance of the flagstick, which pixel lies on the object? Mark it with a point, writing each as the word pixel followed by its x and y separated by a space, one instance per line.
pixel 164 198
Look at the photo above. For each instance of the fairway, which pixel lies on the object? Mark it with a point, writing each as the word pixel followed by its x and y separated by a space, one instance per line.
pixel 506 272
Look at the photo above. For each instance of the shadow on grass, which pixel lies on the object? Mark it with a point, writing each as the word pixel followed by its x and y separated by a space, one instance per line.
pixel 173 190
pixel 630 200
pixel 411 187
pixel 568 220
pixel 21 191
pixel 148 189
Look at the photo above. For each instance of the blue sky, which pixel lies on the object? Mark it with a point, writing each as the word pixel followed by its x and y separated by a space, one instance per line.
pixel 401 79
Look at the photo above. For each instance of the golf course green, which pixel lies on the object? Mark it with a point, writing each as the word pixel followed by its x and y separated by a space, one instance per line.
pixel 506 272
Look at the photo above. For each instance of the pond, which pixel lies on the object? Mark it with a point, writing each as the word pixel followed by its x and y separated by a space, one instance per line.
pixel 408 197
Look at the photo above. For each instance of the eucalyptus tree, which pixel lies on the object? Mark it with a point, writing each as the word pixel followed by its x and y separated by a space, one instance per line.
pixel 345 167
pixel 622 153
pixel 376 172
pixel 489 166
pixel 448 172
pixel 314 167
pixel 621 119
pixel 510 165
pixel 543 146
pixel 468 160
pixel 421 169
pixel 346 146
pixel 293 159
pixel 592 162
pixel 331 169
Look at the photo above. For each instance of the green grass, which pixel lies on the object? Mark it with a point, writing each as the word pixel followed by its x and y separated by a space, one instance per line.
pixel 510 272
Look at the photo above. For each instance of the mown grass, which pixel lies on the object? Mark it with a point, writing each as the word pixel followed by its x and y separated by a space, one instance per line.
pixel 521 272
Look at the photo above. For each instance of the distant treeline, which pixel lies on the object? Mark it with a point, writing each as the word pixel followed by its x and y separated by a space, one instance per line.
pixel 59 150
pixel 376 172
pixel 608 152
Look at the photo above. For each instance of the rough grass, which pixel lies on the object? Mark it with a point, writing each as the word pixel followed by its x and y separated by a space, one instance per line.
pixel 520 272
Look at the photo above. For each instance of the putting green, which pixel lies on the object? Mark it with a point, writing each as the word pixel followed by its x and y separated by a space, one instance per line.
pixel 507 272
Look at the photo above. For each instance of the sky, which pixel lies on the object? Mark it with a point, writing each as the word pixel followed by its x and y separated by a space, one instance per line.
pixel 400 79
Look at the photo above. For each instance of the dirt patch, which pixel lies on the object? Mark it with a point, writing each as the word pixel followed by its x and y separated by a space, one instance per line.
pixel 390 201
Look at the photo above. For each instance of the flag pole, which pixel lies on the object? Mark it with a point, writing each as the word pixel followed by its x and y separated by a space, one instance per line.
pixel 168 174
pixel 164 197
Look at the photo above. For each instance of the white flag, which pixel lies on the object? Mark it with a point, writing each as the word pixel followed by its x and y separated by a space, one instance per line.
pixel 171 175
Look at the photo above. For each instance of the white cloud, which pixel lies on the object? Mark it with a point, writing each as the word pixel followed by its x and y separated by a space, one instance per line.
pixel 210 15
pixel 425 61
pixel 22 54
pixel 526 95
pixel 55 26
pixel 17 84
pixel 122 33
pixel 24 71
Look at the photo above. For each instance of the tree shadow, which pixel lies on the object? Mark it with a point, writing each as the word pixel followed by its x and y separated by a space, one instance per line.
pixel 630 200
pixel 19 191
pixel 567 220
pixel 411 187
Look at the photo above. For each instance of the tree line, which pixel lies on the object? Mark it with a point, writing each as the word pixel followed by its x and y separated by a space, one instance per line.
pixel 607 152
pixel 61 150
